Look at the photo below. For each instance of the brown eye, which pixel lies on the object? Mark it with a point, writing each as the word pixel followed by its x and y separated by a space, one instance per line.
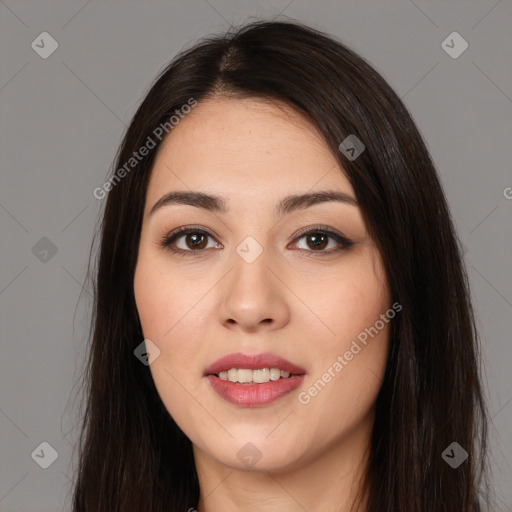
pixel 195 241
pixel 318 241
pixel 187 241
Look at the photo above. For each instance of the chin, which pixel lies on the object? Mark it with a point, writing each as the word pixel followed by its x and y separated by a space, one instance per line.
pixel 259 455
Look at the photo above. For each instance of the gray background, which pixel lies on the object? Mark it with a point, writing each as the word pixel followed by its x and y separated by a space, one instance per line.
pixel 62 118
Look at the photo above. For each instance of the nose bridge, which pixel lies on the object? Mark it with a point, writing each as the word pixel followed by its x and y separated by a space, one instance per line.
pixel 250 259
pixel 252 293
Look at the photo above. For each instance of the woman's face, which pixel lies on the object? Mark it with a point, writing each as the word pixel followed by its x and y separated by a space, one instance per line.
pixel 257 286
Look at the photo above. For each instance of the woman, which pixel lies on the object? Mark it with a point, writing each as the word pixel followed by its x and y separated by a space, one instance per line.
pixel 282 317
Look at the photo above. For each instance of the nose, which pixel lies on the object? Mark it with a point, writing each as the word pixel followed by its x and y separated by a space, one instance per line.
pixel 253 297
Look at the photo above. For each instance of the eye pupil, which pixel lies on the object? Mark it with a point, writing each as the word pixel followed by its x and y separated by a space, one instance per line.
pixel 195 237
pixel 318 244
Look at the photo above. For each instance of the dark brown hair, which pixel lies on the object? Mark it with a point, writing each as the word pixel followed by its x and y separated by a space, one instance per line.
pixel 132 455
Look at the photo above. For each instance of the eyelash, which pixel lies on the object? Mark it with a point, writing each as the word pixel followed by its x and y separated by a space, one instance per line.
pixel 174 235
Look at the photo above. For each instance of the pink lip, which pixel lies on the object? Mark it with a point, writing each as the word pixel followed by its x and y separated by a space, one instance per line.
pixel 254 395
pixel 252 362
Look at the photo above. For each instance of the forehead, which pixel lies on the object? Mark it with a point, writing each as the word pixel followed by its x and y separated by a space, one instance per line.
pixel 245 149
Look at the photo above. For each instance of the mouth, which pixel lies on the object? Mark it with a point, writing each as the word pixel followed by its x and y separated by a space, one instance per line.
pixel 259 368
pixel 254 380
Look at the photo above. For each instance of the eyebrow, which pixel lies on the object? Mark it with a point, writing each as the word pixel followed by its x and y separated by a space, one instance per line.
pixel 219 205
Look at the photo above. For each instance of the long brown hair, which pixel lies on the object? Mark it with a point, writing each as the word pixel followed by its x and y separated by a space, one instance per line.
pixel 132 455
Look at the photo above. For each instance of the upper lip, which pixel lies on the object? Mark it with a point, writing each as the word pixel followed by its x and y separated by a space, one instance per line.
pixel 252 362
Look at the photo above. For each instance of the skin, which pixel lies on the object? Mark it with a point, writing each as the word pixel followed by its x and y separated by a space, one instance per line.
pixel 291 301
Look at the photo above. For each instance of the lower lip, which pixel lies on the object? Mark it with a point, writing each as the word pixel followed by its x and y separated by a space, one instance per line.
pixel 254 395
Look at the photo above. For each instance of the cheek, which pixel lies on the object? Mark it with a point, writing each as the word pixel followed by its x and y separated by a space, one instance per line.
pixel 351 359
pixel 348 301
pixel 168 318
pixel 153 300
pixel 172 312
pixel 161 298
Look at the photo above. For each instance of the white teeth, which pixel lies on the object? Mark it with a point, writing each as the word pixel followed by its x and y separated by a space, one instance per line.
pixel 275 373
pixel 244 375
pixel 259 376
